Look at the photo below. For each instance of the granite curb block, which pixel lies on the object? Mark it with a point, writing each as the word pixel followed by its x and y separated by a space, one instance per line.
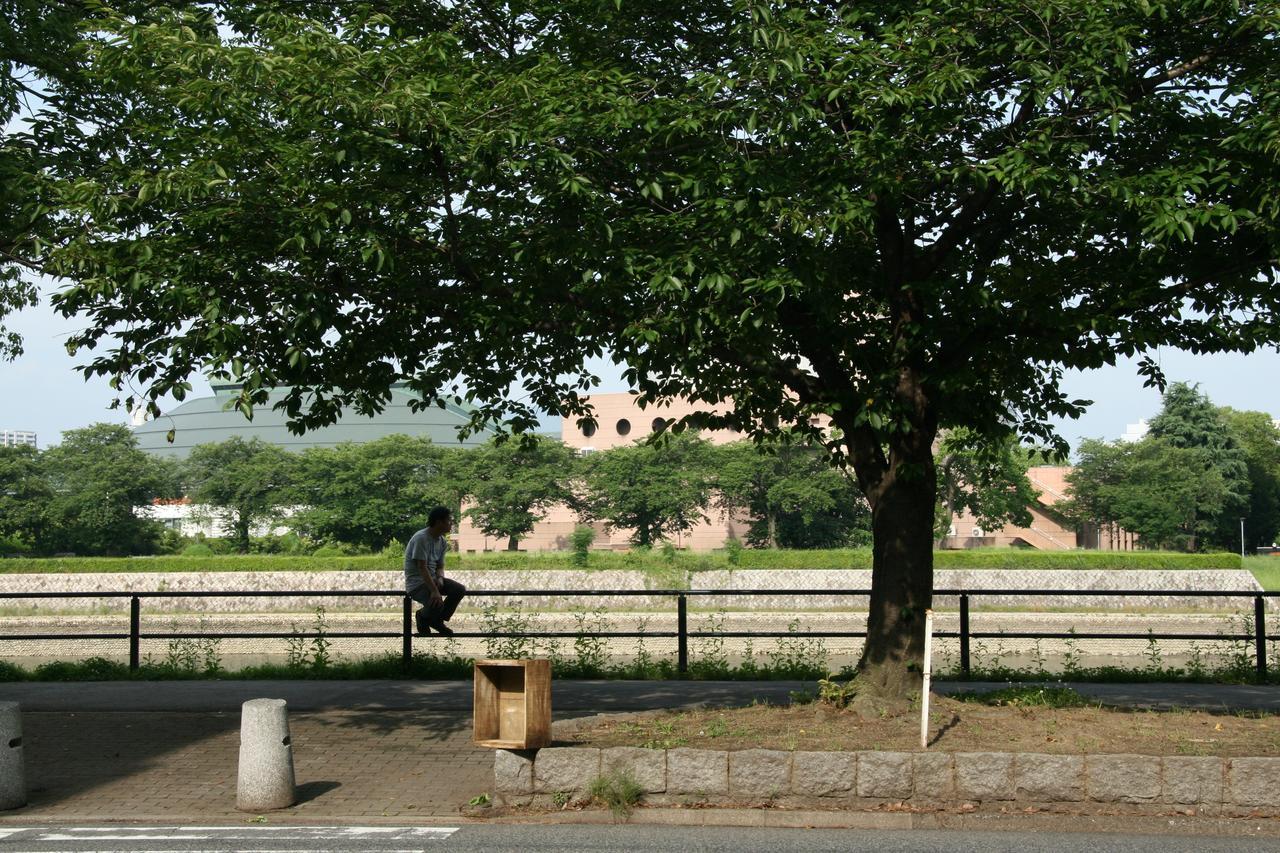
pixel 710 777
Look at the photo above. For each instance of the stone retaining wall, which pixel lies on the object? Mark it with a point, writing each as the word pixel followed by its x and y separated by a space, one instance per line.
pixel 1012 580
pixel 1225 580
pixel 355 580
pixel 866 779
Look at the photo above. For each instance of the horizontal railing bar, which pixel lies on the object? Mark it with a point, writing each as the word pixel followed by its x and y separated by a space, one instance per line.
pixel 1033 635
pixel 982 635
pixel 598 593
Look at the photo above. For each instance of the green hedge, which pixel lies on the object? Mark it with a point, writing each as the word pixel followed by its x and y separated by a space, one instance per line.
pixel 231 563
pixel 655 562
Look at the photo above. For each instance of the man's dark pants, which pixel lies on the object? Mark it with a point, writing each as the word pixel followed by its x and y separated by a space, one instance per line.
pixel 450 590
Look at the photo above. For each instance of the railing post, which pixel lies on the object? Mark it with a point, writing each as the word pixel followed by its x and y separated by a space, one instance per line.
pixel 1260 636
pixel 682 633
pixel 135 631
pixel 964 635
pixel 406 628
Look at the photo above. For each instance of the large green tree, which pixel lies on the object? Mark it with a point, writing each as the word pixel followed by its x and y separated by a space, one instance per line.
pixel 1187 419
pixel 655 489
pixel 904 216
pixel 1259 440
pixel 24 495
pixel 243 484
pixel 1161 492
pixel 513 483
pixel 792 494
pixel 371 494
pixel 98 479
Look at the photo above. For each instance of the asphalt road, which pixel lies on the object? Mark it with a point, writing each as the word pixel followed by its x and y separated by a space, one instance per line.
pixel 607 839
pixel 569 697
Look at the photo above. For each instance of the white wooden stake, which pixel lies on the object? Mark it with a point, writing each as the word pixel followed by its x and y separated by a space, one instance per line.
pixel 928 674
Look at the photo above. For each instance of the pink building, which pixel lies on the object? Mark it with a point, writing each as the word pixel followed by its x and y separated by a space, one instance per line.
pixel 620 422
pixel 1049 531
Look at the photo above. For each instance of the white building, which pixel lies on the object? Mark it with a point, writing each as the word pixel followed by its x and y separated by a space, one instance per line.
pixel 17 438
pixel 191 520
pixel 1135 432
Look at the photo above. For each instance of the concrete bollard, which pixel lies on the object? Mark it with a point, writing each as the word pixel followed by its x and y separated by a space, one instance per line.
pixel 266 757
pixel 13 770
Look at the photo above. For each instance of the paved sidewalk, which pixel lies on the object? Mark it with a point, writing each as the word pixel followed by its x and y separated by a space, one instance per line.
pixel 363 750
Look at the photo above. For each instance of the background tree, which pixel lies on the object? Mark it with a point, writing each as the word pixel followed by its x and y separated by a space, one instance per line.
pixel 1160 492
pixel 1187 419
pixel 989 480
pixel 793 495
pixel 24 494
pixel 375 493
pixel 657 490
pixel 1259 440
pixel 513 483
pixel 907 217
pixel 97 478
pixel 244 482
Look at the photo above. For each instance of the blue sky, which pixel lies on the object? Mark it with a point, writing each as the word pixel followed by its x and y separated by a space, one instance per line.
pixel 43 392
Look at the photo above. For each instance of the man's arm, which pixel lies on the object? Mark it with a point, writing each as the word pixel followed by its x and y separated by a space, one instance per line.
pixel 431 581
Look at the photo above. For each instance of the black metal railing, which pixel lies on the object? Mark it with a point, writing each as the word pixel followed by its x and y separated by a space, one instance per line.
pixel 1258 636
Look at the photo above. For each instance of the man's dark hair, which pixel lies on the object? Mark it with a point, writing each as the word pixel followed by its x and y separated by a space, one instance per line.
pixel 438 514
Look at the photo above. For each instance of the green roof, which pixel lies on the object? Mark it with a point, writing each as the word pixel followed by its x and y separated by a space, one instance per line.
pixel 205 420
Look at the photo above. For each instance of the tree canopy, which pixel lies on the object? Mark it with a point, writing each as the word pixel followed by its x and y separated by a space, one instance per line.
pixel 657 490
pixel 243 481
pixel 792 495
pixel 96 478
pixel 905 216
pixel 512 484
pixel 988 479
pixel 373 494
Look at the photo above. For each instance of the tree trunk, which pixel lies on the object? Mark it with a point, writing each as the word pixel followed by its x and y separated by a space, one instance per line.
pixel 513 543
pixel 902 517
pixel 242 533
pixel 773 529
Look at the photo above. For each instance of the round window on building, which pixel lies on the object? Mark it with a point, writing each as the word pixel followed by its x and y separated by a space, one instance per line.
pixel 624 426
pixel 588 430
pixel 659 424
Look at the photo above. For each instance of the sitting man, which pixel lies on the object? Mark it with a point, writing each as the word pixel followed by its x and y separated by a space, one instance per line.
pixel 424 579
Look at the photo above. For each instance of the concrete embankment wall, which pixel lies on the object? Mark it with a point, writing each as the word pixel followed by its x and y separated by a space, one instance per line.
pixel 305 583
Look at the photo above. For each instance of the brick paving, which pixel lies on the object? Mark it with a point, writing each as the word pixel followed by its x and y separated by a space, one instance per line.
pixel 182 766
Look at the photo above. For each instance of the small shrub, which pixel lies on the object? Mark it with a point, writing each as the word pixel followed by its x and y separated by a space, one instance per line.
pixel 90 669
pixel 733 551
pixel 1027 696
pixel 618 790
pixel 197 549
pixel 312 653
pixel 836 693
pixel 580 545
pixel 515 621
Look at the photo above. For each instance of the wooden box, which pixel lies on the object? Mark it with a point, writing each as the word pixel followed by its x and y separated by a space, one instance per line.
pixel 512 704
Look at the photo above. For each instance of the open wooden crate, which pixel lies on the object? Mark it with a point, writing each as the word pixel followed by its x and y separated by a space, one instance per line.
pixel 512 704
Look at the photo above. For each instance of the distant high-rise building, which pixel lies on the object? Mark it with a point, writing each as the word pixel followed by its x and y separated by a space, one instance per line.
pixel 1135 432
pixel 17 438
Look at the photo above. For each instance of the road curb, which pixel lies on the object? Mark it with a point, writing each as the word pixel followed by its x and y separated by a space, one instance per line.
pixel 1265 827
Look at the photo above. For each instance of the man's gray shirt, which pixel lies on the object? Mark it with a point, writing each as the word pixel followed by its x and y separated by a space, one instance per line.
pixel 423 545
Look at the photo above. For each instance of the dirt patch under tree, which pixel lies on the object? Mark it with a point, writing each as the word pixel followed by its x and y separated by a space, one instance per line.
pixel 1022 722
